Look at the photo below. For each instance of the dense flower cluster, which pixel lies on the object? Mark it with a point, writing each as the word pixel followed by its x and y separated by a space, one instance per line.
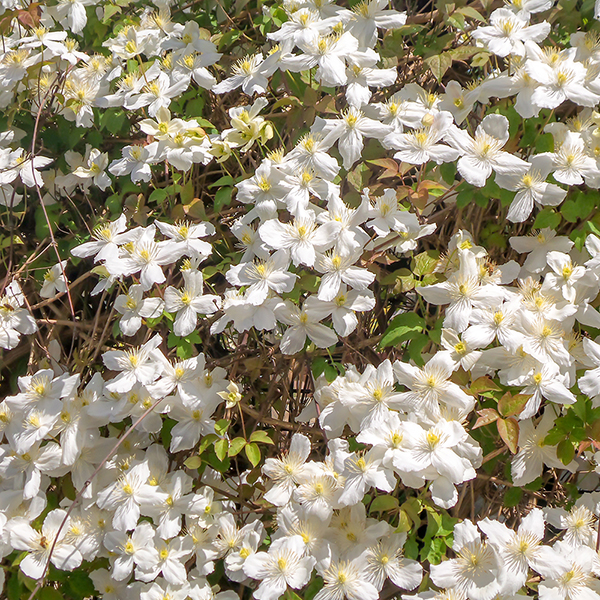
pixel 152 528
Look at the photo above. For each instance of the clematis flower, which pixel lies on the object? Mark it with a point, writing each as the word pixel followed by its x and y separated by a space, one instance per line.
pixel 521 549
pixel 483 154
pixel 284 565
pixel 136 365
pixel 287 471
pixel 125 496
pixel 39 545
pixel 475 570
pixel 507 32
pixel 531 188
pixel 189 302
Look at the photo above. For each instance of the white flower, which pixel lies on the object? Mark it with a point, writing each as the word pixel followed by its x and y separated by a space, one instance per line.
pixel 135 549
pixel 538 247
pixel 436 448
pixel 483 154
pixel 521 549
pixel 338 268
pixel 328 53
pixel 186 236
pixel 263 275
pixel 302 324
pixel 572 165
pixel 421 146
pixel 345 579
pixel 342 309
pixel 365 470
pixel 528 463
pixel 125 496
pixel 575 578
pixel 136 365
pixel 531 188
pixel 564 80
pixel 349 131
pixel 283 566
pixel 589 384
pixel 146 256
pixel 135 162
pixel 464 292
pixel 95 164
pixel 302 237
pixel 40 544
pixel 14 319
pixel 287 471
pixel 431 386
pixel 106 239
pixel 189 302
pixel 385 560
pixel 133 306
pixel 507 32
pixel 368 15
pixel 250 73
pixel 475 570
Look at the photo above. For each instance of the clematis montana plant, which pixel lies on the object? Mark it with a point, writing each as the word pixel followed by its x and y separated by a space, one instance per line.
pixel 299 300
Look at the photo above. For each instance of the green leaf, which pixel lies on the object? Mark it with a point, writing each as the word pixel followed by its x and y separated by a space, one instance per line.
pixel 207 441
pixel 221 426
pixel 469 11
pixel 236 446
pixel 486 416
pixel 547 218
pixel 222 198
pixel 187 192
pixel 565 451
pixel 221 447
pixel 225 180
pixel 510 406
pixel 434 522
pixel 261 437
pixel 109 11
pixel 569 211
pixel 439 64
pixel 193 462
pixel 204 123
pixel 512 497
pixel 401 328
pixel 484 384
pixel 509 432
pixel 159 195
pixel 403 279
pixel 49 593
pixel 113 120
pixel 404 522
pixel 313 588
pixel 425 263
pixel 359 177
pixel 228 38
pixel 554 437
pixel 253 453
pixel 437 551
pixel 14 587
pixel 321 365
pixel 481 59
pixel 79 585
pixel 222 466
pixel 384 503
pixel 415 348
pixel 463 52
pixel 290 595
pixel 448 172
